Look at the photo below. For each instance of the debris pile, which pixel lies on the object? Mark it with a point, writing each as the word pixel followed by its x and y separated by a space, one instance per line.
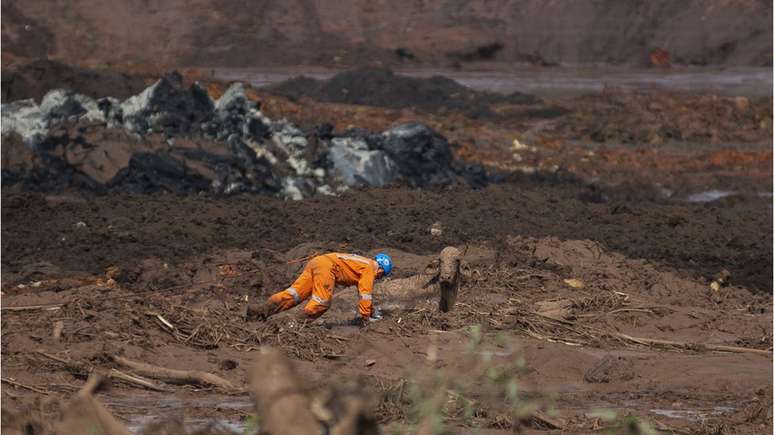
pixel 172 138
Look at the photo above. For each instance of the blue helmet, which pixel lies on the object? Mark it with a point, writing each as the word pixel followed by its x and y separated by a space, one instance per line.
pixel 385 262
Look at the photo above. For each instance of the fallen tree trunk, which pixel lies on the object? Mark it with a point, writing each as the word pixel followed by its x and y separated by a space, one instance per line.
pixel 279 396
pixel 175 376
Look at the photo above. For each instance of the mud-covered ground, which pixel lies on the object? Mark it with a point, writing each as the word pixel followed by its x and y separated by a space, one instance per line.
pixel 604 272
pixel 642 269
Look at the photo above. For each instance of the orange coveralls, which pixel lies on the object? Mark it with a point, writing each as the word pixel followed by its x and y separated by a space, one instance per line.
pixel 318 279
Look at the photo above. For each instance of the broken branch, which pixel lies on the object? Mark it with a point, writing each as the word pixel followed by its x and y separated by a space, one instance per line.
pixel 175 376
pixel 47 307
pixel 26 387
pixel 692 346
pixel 134 380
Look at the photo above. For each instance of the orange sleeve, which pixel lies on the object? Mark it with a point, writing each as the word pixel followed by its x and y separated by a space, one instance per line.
pixel 364 287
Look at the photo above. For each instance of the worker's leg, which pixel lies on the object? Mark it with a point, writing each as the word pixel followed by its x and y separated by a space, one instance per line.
pixel 323 281
pixel 298 292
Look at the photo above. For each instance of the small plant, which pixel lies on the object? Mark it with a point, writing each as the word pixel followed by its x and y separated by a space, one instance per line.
pixel 251 425
pixel 487 372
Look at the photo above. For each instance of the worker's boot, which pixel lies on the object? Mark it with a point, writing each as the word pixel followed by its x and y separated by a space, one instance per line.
pixel 259 312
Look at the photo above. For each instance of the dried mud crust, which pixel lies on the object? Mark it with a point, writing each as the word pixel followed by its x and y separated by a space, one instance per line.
pixel 73 235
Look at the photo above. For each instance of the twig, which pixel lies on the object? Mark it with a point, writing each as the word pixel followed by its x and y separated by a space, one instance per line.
pixel 46 307
pixel 117 374
pixel 26 387
pixel 74 367
pixel 692 346
pixel 639 310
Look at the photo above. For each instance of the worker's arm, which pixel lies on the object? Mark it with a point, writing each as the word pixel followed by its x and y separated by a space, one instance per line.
pixel 364 287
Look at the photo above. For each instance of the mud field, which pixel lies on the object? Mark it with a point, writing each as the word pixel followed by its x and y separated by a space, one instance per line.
pixel 554 283
pixel 616 272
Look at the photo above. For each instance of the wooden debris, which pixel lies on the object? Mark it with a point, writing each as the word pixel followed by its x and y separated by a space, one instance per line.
pixel 72 366
pixel 558 309
pixel 134 380
pixel 45 307
pixel 692 346
pixel 574 283
pixel 449 277
pixel 281 403
pixel 58 328
pixel 549 422
pixel 175 376
pixel 26 387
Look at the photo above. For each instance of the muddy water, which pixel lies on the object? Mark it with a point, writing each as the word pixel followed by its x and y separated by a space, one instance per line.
pixel 140 410
pixel 750 82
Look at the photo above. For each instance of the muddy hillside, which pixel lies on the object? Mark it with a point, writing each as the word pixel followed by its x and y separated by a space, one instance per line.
pixel 125 34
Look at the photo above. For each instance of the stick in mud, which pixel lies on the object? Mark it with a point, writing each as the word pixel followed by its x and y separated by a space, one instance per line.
pixel 176 376
pixel 47 307
pixel 58 329
pixel 693 346
pixel 134 380
pixel 26 387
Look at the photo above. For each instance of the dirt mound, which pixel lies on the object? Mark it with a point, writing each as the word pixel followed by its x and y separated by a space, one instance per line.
pixel 35 79
pixel 381 87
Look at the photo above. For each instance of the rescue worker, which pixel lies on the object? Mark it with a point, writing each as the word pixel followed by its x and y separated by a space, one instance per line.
pixel 317 281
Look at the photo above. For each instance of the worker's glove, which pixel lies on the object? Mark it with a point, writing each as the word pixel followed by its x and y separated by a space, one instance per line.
pixel 376 314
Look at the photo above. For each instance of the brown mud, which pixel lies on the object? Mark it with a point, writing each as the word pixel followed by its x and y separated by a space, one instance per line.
pixel 588 284
pixel 557 278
